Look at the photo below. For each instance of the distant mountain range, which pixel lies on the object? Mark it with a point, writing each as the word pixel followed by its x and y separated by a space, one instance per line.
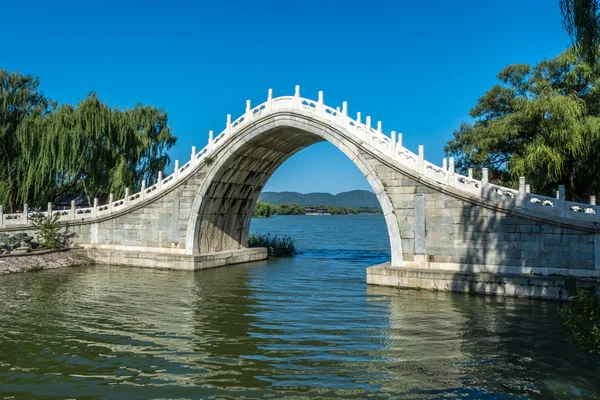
pixel 352 199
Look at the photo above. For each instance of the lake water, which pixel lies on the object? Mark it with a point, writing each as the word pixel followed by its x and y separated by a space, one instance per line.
pixel 304 327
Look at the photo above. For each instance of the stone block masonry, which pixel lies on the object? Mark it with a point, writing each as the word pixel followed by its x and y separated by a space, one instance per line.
pixel 438 220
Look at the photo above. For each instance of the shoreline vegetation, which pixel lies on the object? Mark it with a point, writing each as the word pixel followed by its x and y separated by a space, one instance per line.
pixel 277 246
pixel 263 209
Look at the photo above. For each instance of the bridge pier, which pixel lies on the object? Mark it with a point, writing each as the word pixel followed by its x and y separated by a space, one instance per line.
pixel 175 261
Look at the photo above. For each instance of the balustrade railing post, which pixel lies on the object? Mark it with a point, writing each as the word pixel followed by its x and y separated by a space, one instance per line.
pixel 345 114
pixel 228 125
pixel 49 209
pixel 159 180
pixel 421 159
pixel 73 209
pixel 470 173
pixel 485 183
pixel 270 100
pixel 95 209
pixel 368 129
pixel 25 214
pixel 320 104
pixel 528 188
pixel 562 201
pixel 297 97
pixel 393 151
pixel 451 171
pixel 379 128
pixel 399 140
pixel 592 201
pixel 248 111
pixel 211 141
pixel 522 193
pixel 1 216
pixel 143 190
pixel 176 171
pixel 111 200
pixel 126 199
pixel 445 164
pixel 193 157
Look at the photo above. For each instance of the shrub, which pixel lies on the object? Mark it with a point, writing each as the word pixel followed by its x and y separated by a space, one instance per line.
pixel 34 268
pixel 47 230
pixel 581 321
pixel 277 246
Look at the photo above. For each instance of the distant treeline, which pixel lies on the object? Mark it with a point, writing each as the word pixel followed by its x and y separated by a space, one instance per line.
pixel 263 209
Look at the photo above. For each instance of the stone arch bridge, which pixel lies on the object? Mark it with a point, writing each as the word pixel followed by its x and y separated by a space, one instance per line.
pixel 447 231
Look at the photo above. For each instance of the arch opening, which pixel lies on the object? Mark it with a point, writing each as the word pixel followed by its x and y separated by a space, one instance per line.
pixel 224 203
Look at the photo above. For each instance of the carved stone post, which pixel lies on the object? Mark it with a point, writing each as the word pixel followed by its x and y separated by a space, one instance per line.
pixel 421 160
pixel 297 96
pixel 593 200
pixel 368 129
pixel 159 180
pixel 451 171
pixel 393 151
pixel 95 209
pixel 562 201
pixel 485 183
pixel 270 100
pixel 111 200
pixel 1 216
pixel 522 193
pixel 320 104
pixel 345 114
pixel 25 214
pixel 49 210
pixel 228 125
pixel 126 199
pixel 193 157
pixel 248 111
pixel 176 172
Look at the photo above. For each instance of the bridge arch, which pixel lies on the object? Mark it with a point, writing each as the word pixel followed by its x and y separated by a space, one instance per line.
pixel 224 202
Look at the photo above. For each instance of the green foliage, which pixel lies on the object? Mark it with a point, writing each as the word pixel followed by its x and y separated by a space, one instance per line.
pixel 581 19
pixel 34 268
pixel 48 151
pixel 581 321
pixel 264 209
pixel 541 122
pixel 21 104
pixel 209 160
pixel 277 246
pixel 47 230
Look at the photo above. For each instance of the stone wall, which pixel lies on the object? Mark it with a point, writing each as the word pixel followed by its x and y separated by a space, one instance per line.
pixel 442 231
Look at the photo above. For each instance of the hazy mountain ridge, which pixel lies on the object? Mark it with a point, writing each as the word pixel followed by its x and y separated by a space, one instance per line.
pixel 352 199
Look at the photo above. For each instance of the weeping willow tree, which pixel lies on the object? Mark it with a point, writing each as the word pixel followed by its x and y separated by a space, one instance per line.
pixel 541 122
pixel 93 149
pixel 21 103
pixel 581 19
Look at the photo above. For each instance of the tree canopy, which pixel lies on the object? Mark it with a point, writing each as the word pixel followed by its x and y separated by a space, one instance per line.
pixel 581 20
pixel 541 122
pixel 47 151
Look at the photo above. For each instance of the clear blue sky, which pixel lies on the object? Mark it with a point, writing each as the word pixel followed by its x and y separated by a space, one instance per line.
pixel 417 66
